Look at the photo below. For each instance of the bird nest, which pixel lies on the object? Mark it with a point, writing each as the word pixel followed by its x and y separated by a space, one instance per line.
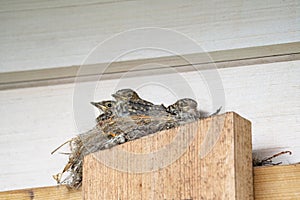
pixel 105 135
pixel 128 118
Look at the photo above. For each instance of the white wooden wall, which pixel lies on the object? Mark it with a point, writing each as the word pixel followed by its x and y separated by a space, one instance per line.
pixel 49 34
pixel 36 120
pixel 44 34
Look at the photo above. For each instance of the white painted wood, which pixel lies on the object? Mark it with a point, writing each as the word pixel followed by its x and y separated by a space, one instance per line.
pixel 48 34
pixel 36 120
pixel 191 62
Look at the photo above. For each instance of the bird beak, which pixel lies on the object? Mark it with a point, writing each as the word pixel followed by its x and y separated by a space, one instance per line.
pixel 94 104
pixel 99 105
pixel 116 96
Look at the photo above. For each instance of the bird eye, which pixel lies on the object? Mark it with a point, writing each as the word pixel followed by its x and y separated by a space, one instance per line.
pixel 109 105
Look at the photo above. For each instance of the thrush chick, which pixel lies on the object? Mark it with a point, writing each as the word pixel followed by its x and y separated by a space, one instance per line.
pixel 105 120
pixel 129 103
pixel 185 110
pixel 136 126
pixel 107 107
pixel 130 95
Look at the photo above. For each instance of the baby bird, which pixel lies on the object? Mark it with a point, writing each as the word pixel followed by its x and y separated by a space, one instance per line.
pixel 129 103
pixel 105 120
pixel 185 110
pixel 131 127
pixel 130 95
pixel 134 127
pixel 108 108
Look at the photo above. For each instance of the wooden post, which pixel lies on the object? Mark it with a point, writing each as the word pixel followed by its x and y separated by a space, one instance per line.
pixel 208 159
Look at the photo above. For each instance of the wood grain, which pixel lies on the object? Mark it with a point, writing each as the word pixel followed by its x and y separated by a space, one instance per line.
pixel 42 193
pixel 270 182
pixel 212 159
pixel 277 182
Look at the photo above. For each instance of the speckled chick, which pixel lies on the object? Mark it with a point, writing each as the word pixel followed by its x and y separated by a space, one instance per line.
pixel 185 110
pixel 129 103
pixel 108 109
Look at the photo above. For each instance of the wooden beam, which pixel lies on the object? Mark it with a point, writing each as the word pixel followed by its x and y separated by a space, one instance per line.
pixel 277 182
pixel 42 193
pixel 180 63
pixel 208 159
pixel 270 182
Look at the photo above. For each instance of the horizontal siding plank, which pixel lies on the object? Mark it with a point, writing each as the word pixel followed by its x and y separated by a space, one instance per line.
pixel 50 34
